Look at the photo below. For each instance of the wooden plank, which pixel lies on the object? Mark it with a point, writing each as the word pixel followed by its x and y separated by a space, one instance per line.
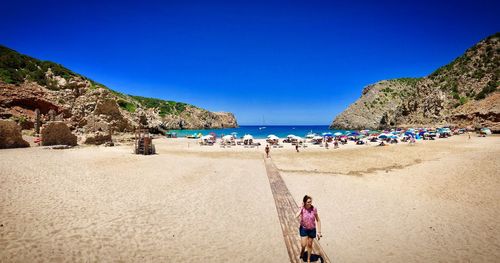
pixel 286 208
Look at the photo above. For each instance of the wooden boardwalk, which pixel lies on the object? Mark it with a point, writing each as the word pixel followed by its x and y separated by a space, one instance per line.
pixel 287 208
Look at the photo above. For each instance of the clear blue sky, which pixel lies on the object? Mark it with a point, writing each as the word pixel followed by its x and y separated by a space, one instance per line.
pixel 291 62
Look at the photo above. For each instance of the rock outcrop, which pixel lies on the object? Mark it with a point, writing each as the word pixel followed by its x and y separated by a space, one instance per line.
pixel 478 114
pixel 27 84
pixel 462 93
pixel 57 133
pixel 96 138
pixel 10 135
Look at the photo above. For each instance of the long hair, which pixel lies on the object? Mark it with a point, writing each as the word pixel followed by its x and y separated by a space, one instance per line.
pixel 304 200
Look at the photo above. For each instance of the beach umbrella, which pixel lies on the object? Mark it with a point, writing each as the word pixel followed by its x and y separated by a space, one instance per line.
pixel 326 134
pixel 408 133
pixel 248 137
pixel 394 136
pixel 354 133
pixel 337 134
pixel 383 136
pixel 290 136
pixel 227 137
pixel 273 137
pixel 207 137
pixel 317 138
pixel 310 136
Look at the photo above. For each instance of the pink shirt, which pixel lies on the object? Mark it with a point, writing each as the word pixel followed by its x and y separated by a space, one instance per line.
pixel 308 218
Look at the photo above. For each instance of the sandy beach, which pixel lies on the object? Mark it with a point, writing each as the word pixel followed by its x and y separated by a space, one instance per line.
pixel 436 201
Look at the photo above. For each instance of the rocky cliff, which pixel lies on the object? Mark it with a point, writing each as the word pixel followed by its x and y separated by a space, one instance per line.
pixel 462 93
pixel 27 84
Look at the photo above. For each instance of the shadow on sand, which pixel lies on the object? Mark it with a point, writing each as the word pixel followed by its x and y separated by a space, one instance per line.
pixel 314 257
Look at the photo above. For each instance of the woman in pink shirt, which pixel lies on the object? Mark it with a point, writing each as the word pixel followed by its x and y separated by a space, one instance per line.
pixel 308 217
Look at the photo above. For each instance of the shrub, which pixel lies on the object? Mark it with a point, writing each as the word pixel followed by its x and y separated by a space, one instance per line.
pixel 409 81
pixel 20 119
pixel 387 90
pixel 489 88
pixel 130 107
pixel 478 74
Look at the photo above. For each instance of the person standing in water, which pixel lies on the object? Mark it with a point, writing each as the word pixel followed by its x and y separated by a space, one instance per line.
pixel 308 217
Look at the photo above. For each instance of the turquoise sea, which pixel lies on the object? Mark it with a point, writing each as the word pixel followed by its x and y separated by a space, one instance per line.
pixel 258 132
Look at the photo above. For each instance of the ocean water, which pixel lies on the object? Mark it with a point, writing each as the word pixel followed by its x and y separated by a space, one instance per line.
pixel 258 132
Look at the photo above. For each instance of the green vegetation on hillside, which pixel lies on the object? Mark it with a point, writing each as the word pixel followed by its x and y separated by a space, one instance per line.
pixel 165 107
pixel 387 90
pixel 130 107
pixel 489 88
pixel 15 68
pixel 408 81
pixel 480 63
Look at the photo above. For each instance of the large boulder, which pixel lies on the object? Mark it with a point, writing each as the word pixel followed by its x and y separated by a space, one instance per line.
pixel 96 138
pixel 10 135
pixel 57 133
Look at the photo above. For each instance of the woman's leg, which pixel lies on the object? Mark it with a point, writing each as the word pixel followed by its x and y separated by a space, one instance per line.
pixel 303 244
pixel 309 248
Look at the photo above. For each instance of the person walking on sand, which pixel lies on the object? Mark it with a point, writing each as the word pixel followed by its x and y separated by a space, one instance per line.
pixel 308 217
pixel 297 147
pixel 267 150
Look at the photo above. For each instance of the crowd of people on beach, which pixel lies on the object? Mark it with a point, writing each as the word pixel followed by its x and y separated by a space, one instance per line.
pixel 363 137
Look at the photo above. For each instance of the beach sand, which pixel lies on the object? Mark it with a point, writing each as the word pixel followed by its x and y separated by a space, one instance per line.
pixel 435 201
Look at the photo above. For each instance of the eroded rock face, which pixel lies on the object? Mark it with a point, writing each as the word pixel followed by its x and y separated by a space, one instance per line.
pixel 57 133
pixel 195 118
pixel 10 135
pixel 89 110
pixel 478 114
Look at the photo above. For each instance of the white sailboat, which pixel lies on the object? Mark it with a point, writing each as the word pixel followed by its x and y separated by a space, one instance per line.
pixel 263 123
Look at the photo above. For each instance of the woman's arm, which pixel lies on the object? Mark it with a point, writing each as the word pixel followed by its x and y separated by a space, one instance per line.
pixel 319 225
pixel 298 213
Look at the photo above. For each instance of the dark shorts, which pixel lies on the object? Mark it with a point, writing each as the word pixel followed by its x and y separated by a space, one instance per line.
pixel 307 232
